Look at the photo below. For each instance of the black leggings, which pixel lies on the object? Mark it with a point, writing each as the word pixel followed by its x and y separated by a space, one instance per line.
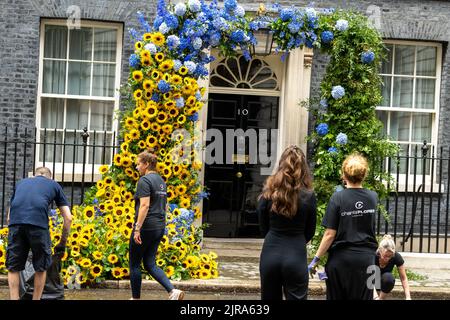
pixel 387 282
pixel 146 253
pixel 283 267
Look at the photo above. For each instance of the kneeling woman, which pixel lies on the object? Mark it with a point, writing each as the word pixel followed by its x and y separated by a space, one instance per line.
pixel 386 258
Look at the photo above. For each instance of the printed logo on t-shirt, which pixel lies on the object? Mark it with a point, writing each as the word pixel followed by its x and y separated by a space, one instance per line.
pixel 359 205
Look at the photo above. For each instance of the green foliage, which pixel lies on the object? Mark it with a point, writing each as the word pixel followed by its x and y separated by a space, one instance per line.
pixel 353 114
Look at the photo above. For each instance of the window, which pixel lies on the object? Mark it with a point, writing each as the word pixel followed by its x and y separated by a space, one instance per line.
pixel 79 78
pixel 410 107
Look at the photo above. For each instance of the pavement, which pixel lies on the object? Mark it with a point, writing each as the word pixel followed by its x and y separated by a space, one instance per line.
pixel 239 274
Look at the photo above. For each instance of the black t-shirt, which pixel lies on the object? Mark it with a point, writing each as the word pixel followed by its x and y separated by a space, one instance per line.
pixel 351 213
pixel 396 260
pixel 153 186
pixel 304 222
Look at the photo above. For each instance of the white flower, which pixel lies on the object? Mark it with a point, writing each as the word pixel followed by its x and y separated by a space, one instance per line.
pixel 341 25
pixel 163 28
pixel 239 11
pixel 151 47
pixel 311 13
pixel 194 5
pixel 191 66
pixel 197 43
pixel 180 9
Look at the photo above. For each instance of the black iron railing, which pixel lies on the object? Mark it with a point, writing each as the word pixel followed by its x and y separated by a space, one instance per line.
pixel 417 210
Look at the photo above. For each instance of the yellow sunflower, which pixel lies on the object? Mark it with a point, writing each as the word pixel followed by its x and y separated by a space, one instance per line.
pixel 159 57
pixel 88 212
pixel 183 70
pixel 137 75
pixel 103 169
pixel 170 271
pixel 137 94
pixel 162 117
pixel 147 36
pixel 116 272
pixel 151 141
pixel 158 39
pixel 96 270
pixel 138 45
pixel 112 258
pixel 148 85
pixel 166 65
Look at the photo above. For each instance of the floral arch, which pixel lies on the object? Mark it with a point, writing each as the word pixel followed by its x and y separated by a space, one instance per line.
pixel 162 98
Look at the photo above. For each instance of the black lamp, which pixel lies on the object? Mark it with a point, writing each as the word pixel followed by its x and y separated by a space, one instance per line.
pixel 264 38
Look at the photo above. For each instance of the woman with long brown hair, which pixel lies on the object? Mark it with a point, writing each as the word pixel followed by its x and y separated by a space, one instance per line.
pixel 287 218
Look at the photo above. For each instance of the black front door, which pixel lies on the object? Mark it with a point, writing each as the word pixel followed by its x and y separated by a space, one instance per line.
pixel 235 183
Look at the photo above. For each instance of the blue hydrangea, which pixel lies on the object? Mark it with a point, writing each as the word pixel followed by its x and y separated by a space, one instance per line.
pixel 239 11
pixel 323 103
pixel 194 117
pixel 198 95
pixel 341 138
pixel 163 86
pixel 173 42
pixel 294 27
pixel 367 57
pixel 155 97
pixel 172 207
pixel 151 47
pixel 230 5
pixel 201 70
pixel 134 61
pixel 158 22
pixel 332 150
pixel 337 92
pixel 214 39
pixel 163 28
pixel 191 66
pixel 220 24
pixel 322 129
pixel 327 36
pixel 341 25
pixel 180 9
pixel 171 21
pixel 286 14
pixel 179 102
pixel 194 5
pixel 238 36
pixel 177 64
pixel 197 43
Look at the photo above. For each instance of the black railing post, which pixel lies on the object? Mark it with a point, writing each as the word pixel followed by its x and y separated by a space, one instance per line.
pixel 15 157
pixel 25 154
pixel 85 136
pixel 4 175
pixel 422 206
pixel 431 198
pixel 441 158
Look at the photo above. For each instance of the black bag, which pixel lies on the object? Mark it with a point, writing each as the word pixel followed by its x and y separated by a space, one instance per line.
pixel 54 286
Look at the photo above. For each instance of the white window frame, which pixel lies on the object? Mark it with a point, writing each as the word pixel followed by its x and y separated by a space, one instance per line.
pixel 68 166
pixel 435 112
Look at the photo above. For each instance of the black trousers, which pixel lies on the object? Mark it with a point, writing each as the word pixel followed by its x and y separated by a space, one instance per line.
pixel 283 267
pixel 347 271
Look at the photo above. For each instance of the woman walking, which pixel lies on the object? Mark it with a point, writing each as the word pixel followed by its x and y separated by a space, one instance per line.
pixel 287 217
pixel 150 204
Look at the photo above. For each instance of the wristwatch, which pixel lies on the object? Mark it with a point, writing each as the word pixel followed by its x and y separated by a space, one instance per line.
pixel 137 227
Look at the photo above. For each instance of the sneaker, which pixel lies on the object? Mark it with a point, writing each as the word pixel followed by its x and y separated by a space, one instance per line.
pixel 176 295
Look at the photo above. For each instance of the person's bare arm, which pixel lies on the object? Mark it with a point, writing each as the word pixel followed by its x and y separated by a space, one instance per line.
pixel 326 242
pixel 404 280
pixel 67 222
pixel 7 216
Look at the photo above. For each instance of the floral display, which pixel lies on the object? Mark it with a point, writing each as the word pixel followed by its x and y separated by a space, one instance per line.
pixel 161 104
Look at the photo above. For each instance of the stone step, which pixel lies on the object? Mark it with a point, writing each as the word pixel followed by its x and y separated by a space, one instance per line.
pixel 233 243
